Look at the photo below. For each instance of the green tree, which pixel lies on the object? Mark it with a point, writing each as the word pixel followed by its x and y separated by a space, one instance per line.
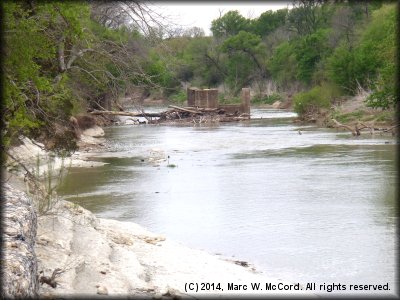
pixel 283 64
pixel 308 51
pixel 268 21
pixel 307 16
pixel 371 62
pixel 229 24
pixel 32 99
pixel 204 59
pixel 244 65
pixel 62 57
pixel 378 49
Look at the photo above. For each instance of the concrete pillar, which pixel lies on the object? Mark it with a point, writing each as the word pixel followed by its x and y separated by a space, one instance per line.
pixel 202 98
pixel 246 100
pixel 197 98
pixel 212 100
pixel 191 96
pixel 207 98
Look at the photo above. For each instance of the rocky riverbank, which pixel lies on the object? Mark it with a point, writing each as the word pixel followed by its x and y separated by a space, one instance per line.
pixel 106 257
pixel 19 263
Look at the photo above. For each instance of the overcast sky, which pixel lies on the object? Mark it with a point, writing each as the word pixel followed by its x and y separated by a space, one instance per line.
pixel 200 14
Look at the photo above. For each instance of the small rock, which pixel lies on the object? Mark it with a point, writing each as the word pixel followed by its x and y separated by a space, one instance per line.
pixel 170 292
pixel 102 290
pixel 103 272
pixel 131 122
pixel 154 240
pixel 276 104
pixel 95 131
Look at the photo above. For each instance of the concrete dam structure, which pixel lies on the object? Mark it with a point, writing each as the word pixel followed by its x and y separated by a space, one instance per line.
pixel 208 98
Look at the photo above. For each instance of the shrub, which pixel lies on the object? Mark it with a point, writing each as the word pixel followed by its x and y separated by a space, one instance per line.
pixel 42 184
pixel 179 97
pixel 314 100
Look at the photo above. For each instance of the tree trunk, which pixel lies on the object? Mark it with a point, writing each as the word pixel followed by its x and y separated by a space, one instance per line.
pixel 124 113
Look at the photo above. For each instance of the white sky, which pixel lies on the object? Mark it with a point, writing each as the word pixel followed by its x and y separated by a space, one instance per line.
pixel 200 14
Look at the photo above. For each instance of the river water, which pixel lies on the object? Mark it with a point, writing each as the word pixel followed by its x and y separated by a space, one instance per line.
pixel 312 207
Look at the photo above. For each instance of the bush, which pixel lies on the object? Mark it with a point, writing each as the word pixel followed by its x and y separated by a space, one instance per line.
pixel 178 97
pixel 311 102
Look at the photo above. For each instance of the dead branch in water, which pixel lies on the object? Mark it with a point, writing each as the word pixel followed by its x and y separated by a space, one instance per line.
pixel 356 131
pixel 340 125
pixel 390 128
pixel 371 128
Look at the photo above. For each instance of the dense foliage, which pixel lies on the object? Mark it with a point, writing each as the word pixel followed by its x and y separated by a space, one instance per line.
pixel 62 58
pixel 348 46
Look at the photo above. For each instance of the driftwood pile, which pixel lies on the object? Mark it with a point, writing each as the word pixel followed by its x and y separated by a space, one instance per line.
pixel 200 115
pixel 182 114
pixel 359 126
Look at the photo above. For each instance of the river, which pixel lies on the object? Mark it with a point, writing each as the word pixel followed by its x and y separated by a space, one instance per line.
pixel 311 206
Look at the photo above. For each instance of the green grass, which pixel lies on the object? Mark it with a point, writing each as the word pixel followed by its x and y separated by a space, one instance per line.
pixel 359 115
pixel 353 116
pixel 385 116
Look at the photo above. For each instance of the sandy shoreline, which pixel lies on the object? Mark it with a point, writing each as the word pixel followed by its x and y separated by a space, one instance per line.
pixel 98 256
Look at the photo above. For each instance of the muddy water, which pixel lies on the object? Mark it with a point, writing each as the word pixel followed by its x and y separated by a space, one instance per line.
pixel 312 207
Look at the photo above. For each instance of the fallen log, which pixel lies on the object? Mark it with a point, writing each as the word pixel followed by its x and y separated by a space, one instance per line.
pixel 202 109
pixel 185 109
pixel 124 113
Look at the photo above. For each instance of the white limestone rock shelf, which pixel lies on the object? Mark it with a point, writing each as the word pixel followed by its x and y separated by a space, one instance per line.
pixel 102 256
pixel 37 160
